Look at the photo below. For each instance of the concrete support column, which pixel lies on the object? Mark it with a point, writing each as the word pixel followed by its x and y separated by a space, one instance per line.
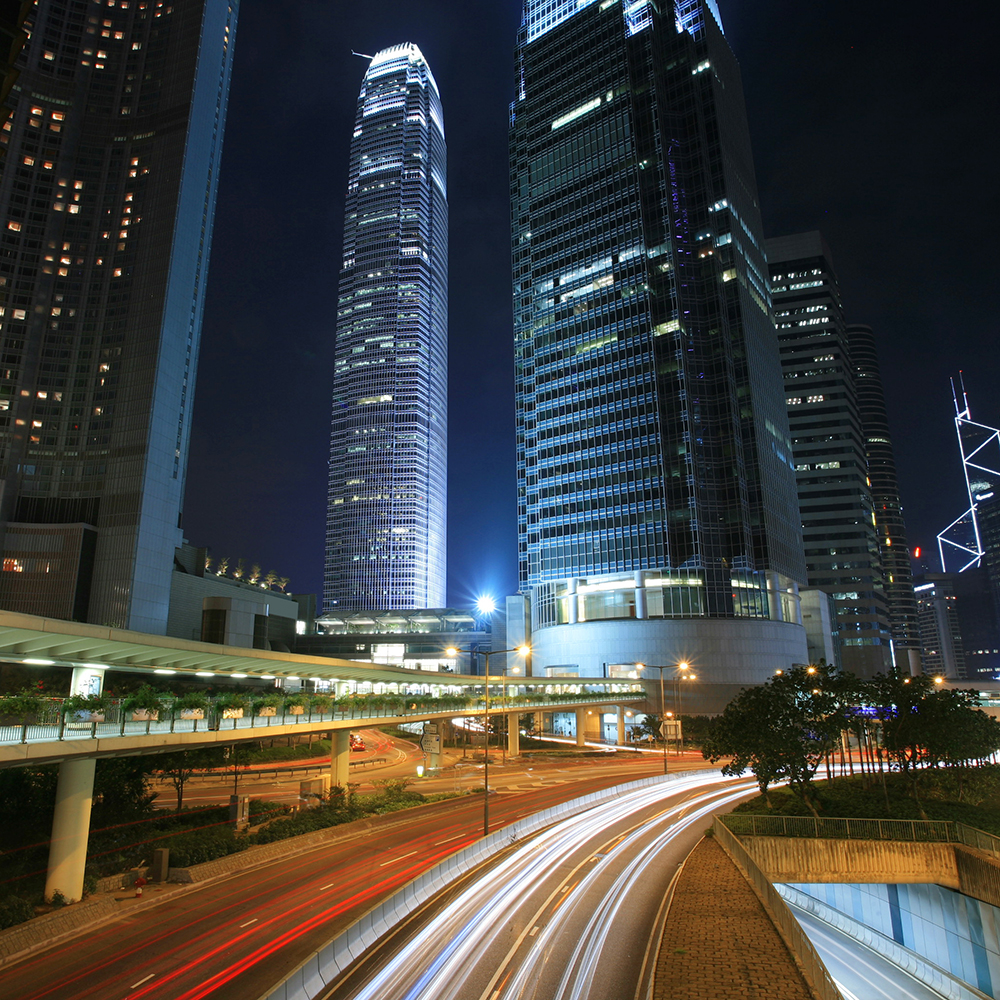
pixel 340 758
pixel 581 726
pixel 513 734
pixel 70 829
pixel 621 724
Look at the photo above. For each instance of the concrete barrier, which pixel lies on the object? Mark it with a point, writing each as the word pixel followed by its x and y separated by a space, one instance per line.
pixel 925 972
pixel 794 859
pixel 329 962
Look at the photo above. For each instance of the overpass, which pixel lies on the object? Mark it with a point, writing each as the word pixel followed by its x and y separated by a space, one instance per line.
pixel 368 692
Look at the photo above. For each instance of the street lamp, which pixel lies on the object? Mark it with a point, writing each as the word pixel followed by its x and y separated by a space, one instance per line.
pixel 679 669
pixel 453 651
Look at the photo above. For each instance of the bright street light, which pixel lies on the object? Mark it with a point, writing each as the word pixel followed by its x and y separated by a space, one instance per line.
pixel 485 604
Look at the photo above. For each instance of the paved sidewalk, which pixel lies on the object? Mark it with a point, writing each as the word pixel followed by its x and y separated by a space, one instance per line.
pixel 718 942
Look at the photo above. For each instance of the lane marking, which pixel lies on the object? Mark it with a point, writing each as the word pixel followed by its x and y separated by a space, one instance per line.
pixel 330 886
pixel 450 839
pixel 394 860
pixel 249 922
pixel 534 931
pixel 141 981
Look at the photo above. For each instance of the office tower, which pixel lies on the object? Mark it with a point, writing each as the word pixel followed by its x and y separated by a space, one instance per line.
pixel 658 520
pixel 108 194
pixel 831 468
pixel 897 578
pixel 387 501
pixel 942 648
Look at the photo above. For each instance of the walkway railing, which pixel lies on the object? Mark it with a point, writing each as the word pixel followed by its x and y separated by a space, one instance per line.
pixel 790 929
pixel 51 724
pixel 846 828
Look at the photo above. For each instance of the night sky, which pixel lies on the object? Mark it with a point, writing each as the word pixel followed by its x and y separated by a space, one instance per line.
pixel 874 123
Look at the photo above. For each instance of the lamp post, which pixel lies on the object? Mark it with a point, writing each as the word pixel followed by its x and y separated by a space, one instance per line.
pixel 524 651
pixel 663 707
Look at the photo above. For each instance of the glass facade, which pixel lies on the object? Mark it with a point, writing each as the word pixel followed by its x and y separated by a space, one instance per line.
pixel 654 461
pixel 387 500
pixel 897 577
pixel 108 195
pixel 835 497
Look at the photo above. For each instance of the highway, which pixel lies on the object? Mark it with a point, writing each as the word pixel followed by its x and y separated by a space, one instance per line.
pixel 860 974
pixel 570 914
pixel 233 937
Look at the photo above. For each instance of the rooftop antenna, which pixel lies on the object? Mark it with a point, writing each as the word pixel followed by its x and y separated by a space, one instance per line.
pixel 363 55
pixel 962 540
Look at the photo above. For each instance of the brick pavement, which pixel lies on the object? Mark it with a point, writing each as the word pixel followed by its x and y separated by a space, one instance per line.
pixel 719 942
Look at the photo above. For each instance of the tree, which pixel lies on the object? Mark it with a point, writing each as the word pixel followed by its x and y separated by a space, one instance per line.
pixel 781 730
pixel 180 765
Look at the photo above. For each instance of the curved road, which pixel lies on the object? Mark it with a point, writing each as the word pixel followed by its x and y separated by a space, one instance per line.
pixel 571 914
pixel 234 937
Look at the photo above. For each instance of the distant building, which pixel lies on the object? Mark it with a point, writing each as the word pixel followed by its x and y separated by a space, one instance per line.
pixel 414 639
pixel 829 444
pixel 658 519
pixel 897 578
pixel 940 630
pixel 212 608
pixel 107 195
pixel 387 500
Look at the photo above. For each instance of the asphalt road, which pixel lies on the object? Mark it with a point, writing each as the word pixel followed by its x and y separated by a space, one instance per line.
pixel 860 974
pixel 573 913
pixel 233 937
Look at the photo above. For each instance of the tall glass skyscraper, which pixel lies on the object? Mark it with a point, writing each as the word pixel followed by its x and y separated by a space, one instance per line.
pixel 828 440
pixel 658 519
pixel 387 501
pixel 107 194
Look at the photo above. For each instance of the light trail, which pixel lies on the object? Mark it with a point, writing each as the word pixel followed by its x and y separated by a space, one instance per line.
pixel 521 891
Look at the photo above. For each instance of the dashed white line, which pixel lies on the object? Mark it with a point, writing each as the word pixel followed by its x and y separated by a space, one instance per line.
pixel 329 886
pixel 249 922
pixel 141 981
pixel 394 860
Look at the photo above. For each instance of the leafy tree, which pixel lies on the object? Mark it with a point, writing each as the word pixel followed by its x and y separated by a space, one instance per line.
pixel 781 730
pixel 180 765
pixel 121 787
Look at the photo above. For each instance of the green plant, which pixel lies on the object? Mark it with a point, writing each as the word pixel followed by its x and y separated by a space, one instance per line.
pixel 296 701
pixel 58 899
pixel 322 703
pixel 14 910
pixel 272 700
pixel 230 700
pixel 144 699
pixel 86 703
pixel 20 706
pixel 193 699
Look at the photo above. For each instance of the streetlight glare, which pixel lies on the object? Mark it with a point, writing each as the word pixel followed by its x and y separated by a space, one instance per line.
pixel 451 651
pixel 524 650
pixel 485 604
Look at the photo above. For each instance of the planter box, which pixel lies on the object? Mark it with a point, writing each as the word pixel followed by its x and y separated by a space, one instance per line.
pixel 267 712
pixel 145 715
pixel 232 713
pixel 192 713
pixel 83 715
pixel 296 710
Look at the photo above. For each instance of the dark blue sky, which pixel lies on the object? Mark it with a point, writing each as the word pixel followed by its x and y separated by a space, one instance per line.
pixel 881 132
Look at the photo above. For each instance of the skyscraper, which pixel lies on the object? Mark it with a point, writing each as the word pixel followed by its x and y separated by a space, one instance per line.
pixel 387 500
pixel 894 553
pixel 108 195
pixel 841 545
pixel 657 511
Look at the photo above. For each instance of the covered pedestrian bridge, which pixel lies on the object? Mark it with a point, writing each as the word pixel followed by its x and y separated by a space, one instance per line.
pixel 343 694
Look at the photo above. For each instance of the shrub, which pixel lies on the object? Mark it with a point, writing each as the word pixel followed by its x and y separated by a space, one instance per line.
pixel 14 910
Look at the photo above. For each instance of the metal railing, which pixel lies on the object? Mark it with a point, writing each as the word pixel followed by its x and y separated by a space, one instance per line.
pixel 847 828
pixel 810 964
pixel 51 724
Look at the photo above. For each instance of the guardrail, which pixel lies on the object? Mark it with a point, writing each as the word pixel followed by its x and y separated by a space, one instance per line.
pixel 51 724
pixel 849 828
pixel 923 970
pixel 810 964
